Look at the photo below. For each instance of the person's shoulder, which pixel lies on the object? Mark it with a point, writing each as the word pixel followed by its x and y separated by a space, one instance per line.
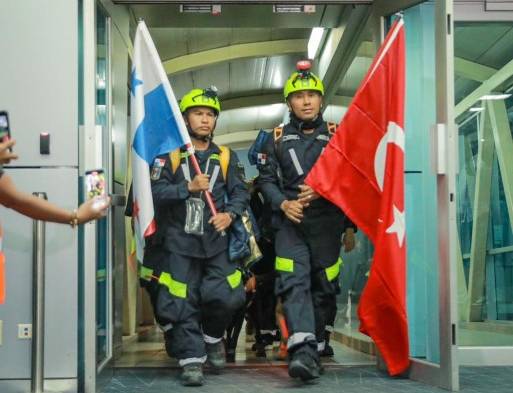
pixel 161 159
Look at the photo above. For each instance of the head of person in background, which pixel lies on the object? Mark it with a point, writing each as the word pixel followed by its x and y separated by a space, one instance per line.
pixel 200 109
pixel 303 93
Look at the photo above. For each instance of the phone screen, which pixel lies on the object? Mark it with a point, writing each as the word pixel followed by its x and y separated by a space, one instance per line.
pixel 95 183
pixel 5 133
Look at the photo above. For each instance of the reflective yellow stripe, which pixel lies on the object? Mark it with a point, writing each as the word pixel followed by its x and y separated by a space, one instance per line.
pixel 234 279
pixel 214 157
pixel 334 270
pixel 284 264
pixel 184 154
pixel 145 273
pixel 176 288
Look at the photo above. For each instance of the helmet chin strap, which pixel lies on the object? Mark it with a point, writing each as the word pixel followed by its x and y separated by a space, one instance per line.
pixel 203 138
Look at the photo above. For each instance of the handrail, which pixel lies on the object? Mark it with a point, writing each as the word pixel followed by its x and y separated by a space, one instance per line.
pixel 38 303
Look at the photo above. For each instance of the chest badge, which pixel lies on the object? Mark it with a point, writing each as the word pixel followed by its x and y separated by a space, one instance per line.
pixel 157 167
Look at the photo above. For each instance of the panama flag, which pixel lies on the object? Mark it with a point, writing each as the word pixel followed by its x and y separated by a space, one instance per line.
pixel 362 172
pixel 157 127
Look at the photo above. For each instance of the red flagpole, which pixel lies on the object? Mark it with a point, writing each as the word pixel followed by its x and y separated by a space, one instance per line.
pixel 197 168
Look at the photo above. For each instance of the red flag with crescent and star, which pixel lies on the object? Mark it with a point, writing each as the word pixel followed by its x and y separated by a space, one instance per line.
pixel 362 172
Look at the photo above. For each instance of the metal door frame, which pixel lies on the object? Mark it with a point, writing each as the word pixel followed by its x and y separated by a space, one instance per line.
pixel 445 374
pixel 89 370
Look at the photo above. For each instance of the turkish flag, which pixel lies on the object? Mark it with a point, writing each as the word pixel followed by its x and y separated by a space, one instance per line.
pixel 362 172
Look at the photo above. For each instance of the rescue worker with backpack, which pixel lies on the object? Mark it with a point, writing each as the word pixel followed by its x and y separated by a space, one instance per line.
pixel 200 288
pixel 309 227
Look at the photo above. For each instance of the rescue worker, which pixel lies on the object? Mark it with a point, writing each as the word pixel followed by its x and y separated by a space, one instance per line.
pixel 200 288
pixel 309 228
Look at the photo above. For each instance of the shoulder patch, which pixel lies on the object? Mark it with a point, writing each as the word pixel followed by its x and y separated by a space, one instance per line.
pixel 261 158
pixel 157 167
pixel 277 132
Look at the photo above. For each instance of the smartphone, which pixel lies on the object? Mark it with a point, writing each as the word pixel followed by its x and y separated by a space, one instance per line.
pixel 95 183
pixel 5 131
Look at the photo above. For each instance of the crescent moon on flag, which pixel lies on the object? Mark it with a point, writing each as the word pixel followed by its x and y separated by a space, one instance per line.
pixel 394 134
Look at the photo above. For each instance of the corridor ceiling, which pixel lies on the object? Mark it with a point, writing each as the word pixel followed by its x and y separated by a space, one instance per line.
pixel 248 51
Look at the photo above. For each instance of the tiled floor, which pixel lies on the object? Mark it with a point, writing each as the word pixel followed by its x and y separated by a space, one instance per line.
pixel 357 379
pixel 145 367
pixel 149 352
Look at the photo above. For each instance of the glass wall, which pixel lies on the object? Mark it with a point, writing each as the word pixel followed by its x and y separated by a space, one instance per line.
pixel 484 109
pixel 103 306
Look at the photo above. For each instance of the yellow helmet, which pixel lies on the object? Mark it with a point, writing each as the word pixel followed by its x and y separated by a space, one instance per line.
pixel 201 97
pixel 303 79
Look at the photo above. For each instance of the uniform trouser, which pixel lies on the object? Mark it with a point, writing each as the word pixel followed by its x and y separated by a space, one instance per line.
pixel 153 260
pixel 197 297
pixel 307 266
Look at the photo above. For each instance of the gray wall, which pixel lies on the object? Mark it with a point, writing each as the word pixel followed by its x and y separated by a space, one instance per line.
pixel 39 88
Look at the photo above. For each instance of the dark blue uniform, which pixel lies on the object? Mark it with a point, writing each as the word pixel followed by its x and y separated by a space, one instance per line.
pixel 200 287
pixel 307 254
pixel 154 255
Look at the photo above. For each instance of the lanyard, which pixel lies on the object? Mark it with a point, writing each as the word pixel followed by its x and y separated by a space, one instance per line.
pixel 188 176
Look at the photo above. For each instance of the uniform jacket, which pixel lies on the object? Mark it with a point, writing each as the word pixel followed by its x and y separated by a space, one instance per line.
pixel 288 162
pixel 170 193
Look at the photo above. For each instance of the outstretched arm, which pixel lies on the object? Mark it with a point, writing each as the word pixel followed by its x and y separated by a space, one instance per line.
pixel 40 209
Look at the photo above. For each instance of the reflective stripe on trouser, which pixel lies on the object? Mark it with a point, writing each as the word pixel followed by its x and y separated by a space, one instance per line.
pixel 325 282
pixel 312 285
pixel 154 257
pixel 184 282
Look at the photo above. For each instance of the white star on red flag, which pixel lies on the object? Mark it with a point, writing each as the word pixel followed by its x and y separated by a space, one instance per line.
pixel 398 226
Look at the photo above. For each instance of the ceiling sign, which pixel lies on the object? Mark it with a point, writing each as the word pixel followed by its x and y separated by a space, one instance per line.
pixel 214 9
pixel 294 8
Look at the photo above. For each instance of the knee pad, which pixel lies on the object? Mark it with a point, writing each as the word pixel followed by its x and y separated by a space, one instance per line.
pixel 321 283
pixel 170 308
pixel 289 275
pixel 224 292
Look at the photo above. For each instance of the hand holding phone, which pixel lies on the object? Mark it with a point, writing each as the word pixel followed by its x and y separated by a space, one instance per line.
pixel 6 154
pixel 5 131
pixel 96 187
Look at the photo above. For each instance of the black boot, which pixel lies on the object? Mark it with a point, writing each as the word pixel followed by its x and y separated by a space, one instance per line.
pixel 192 375
pixel 328 349
pixel 216 355
pixel 230 355
pixel 304 361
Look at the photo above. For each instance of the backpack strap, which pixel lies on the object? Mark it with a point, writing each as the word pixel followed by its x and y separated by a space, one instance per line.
pixel 174 157
pixel 277 132
pixel 224 159
pixel 332 128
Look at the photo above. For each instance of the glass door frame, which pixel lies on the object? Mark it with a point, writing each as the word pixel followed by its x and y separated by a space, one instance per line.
pixel 106 157
pixel 95 150
pixel 446 373
pixel 483 355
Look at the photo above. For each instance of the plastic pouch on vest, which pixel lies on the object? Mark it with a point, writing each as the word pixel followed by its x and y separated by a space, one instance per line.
pixel 194 216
